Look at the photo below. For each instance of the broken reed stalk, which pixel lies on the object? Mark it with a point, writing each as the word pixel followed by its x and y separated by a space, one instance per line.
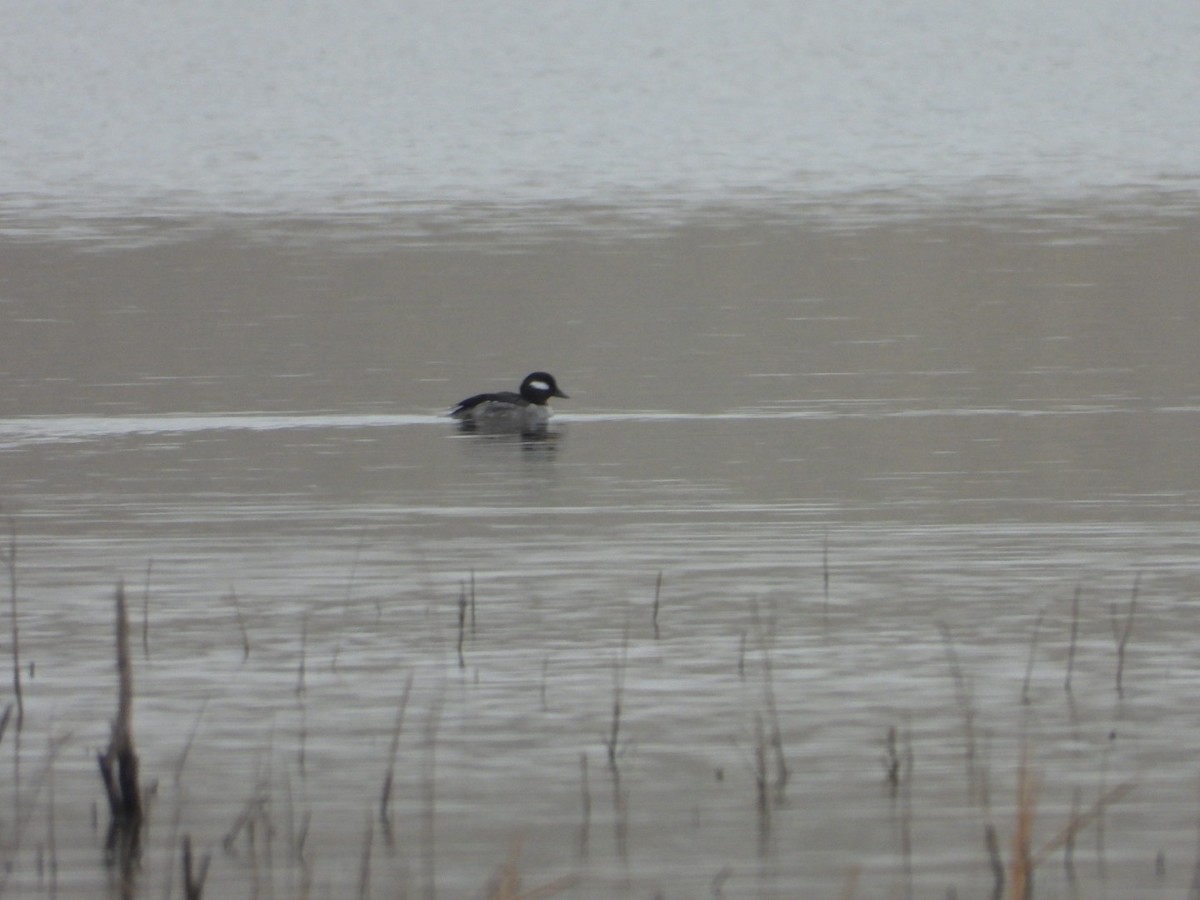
pixel 1079 821
pixel 505 883
pixel 193 879
pixel 146 611
pixel 241 623
pixel 995 860
pixel 10 559
pixel 1121 633
pixel 891 760
pixel 472 603
pixel 825 580
pixel 462 625
pixel 657 594
pixel 585 825
pixel 1037 626
pixel 364 862
pixel 429 797
pixel 119 763
pixel 1021 863
pixel 1073 639
pixel 906 813
pixel 762 781
pixel 776 733
pixel 966 707
pixel 303 652
pixel 612 742
pixel 1194 889
pixel 385 798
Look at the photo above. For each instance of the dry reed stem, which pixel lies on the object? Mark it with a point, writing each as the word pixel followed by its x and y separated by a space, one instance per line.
pixel 385 798
pixel 1080 821
pixel 146 611
pixel 119 763
pixel 1021 864
pixel 891 760
pixel 1073 639
pixel 1121 633
pixel 1037 627
pixel 825 580
pixel 585 825
pixel 776 733
pixel 193 880
pixel 995 860
pixel 462 624
pixel 761 779
pixel 966 707
pixel 612 741
pixel 241 623
pixel 472 603
pixel 10 559
pixel 505 884
pixel 850 884
pixel 300 669
pixel 364 862
pixel 657 593
pixel 429 798
pixel 1194 888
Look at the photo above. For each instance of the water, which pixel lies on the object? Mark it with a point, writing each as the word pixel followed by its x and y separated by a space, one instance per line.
pixel 852 454
pixel 879 328
pixel 132 105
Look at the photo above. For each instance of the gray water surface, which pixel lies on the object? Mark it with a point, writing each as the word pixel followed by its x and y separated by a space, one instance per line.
pixel 872 466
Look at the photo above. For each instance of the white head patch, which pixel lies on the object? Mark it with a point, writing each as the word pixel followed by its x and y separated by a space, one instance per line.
pixel 539 385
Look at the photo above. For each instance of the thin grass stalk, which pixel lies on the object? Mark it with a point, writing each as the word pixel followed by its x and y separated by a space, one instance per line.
pixel 146 611
pixel 1037 627
pixel 429 799
pixel 1194 888
pixel 472 603
pixel 300 670
pixel 775 732
pixel 657 595
pixel 906 814
pixel 10 560
pixel 1122 632
pixel 51 830
pixel 241 623
pixel 1021 864
pixel 585 825
pixel 193 877
pixel 337 647
pixel 612 741
pixel 1079 821
pixel 825 580
pixel 364 861
pixel 1071 644
pixel 995 860
pixel 385 798
pixel 762 782
pixel 462 625
pixel 966 708
pixel 119 763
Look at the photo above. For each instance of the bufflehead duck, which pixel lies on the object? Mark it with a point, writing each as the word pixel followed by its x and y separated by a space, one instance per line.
pixel 526 410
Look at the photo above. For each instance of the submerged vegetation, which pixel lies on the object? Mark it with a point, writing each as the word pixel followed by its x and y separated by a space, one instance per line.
pixel 774 785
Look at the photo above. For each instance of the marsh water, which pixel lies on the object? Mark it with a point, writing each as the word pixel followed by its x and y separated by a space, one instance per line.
pixel 875 498
pixel 838 479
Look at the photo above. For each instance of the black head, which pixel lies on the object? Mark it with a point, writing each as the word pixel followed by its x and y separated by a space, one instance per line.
pixel 538 387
